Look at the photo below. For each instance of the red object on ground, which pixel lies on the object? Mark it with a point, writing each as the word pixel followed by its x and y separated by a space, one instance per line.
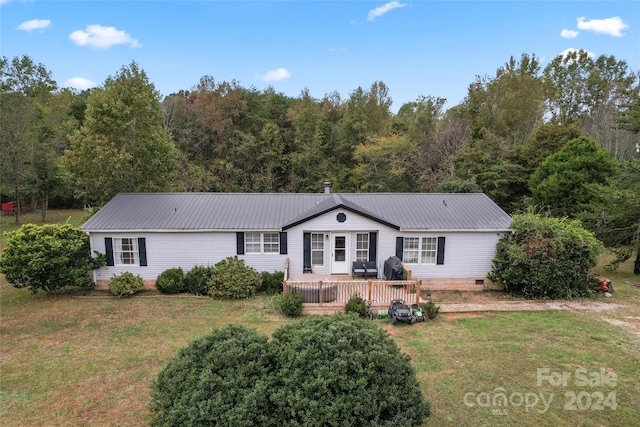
pixel 9 206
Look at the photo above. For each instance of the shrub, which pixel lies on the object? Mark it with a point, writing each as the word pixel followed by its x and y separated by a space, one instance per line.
pixel 171 281
pixel 272 282
pixel 125 284
pixel 196 281
pixel 230 278
pixel 321 371
pixel 291 304
pixel 546 258
pixel 356 305
pixel 430 309
pixel 218 379
pixel 342 371
pixel 49 258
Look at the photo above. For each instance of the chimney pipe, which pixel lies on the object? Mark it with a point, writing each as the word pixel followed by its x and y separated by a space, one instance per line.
pixel 327 187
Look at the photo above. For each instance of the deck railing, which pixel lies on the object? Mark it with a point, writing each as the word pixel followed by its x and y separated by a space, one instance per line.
pixel 338 292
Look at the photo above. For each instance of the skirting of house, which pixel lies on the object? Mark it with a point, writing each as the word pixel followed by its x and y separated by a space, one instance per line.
pixel 147 285
pixel 460 284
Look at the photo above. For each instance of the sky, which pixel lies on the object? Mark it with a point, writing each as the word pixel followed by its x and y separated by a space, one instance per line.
pixel 417 48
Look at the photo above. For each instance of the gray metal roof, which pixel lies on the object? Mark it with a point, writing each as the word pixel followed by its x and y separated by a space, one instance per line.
pixel 279 211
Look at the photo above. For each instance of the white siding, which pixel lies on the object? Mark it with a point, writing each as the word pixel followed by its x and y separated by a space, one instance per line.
pixel 186 250
pixel 467 254
pixel 328 224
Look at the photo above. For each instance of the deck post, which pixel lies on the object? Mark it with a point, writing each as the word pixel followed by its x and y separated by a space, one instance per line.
pixel 320 293
pixel 418 286
pixel 369 285
pixel 284 288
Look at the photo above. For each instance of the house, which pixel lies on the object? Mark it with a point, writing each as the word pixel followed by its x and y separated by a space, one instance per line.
pixel 449 240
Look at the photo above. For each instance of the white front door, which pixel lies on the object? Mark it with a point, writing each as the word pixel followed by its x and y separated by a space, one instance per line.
pixel 340 254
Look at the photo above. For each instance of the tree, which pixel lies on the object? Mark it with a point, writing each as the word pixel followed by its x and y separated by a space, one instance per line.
pixel 25 90
pixel 48 258
pixel 386 164
pixel 321 371
pixel 615 220
pixel 509 105
pixel 577 86
pixel 546 257
pixel 122 145
pixel 572 179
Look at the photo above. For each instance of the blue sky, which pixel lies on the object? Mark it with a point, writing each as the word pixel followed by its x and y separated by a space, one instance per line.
pixel 431 48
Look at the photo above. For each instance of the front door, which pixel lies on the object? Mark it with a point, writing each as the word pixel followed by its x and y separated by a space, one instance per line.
pixel 340 255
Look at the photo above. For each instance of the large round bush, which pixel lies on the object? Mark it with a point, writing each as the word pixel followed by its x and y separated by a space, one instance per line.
pixel 546 258
pixel 219 379
pixel 49 257
pixel 342 370
pixel 231 278
pixel 171 281
pixel 196 281
pixel 320 371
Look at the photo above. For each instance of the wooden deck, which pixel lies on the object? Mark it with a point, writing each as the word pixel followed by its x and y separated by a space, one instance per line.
pixel 324 294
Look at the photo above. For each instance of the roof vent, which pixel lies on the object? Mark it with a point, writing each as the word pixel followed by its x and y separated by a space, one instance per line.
pixel 327 187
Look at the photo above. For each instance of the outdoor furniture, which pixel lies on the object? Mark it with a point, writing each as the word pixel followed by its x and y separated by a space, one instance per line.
pixel 311 293
pixel 364 269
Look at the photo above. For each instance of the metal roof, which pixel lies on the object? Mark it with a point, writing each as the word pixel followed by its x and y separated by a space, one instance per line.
pixel 279 211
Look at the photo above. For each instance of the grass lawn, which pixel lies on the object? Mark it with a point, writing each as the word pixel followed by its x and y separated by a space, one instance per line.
pixel 89 360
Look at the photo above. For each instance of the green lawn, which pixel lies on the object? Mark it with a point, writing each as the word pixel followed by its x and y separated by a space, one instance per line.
pixel 89 360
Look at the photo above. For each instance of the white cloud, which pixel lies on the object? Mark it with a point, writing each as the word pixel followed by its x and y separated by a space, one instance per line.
pixel 35 24
pixel 611 26
pixel 381 10
pixel 337 49
pixel 100 37
pixel 569 34
pixel 79 83
pixel 4 2
pixel 275 75
pixel 566 52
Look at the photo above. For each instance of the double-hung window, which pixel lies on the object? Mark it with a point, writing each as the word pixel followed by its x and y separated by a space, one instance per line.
pixel 420 250
pixel 255 243
pixel 362 247
pixel 125 251
pixel 271 243
pixel 411 250
pixel 428 250
pixel 317 248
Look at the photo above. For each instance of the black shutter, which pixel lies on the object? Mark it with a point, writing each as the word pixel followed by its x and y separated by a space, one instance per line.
pixel 306 256
pixel 142 251
pixel 283 243
pixel 373 243
pixel 108 245
pixel 440 255
pixel 240 243
pixel 399 247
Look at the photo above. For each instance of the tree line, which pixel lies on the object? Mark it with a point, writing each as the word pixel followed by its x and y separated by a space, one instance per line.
pixel 508 138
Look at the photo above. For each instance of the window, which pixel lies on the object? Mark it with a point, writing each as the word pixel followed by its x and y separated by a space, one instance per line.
pixel 418 250
pixel 429 245
pixel 411 250
pixel 271 243
pixel 252 243
pixel 125 251
pixel 362 247
pixel 317 249
pixel 255 243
